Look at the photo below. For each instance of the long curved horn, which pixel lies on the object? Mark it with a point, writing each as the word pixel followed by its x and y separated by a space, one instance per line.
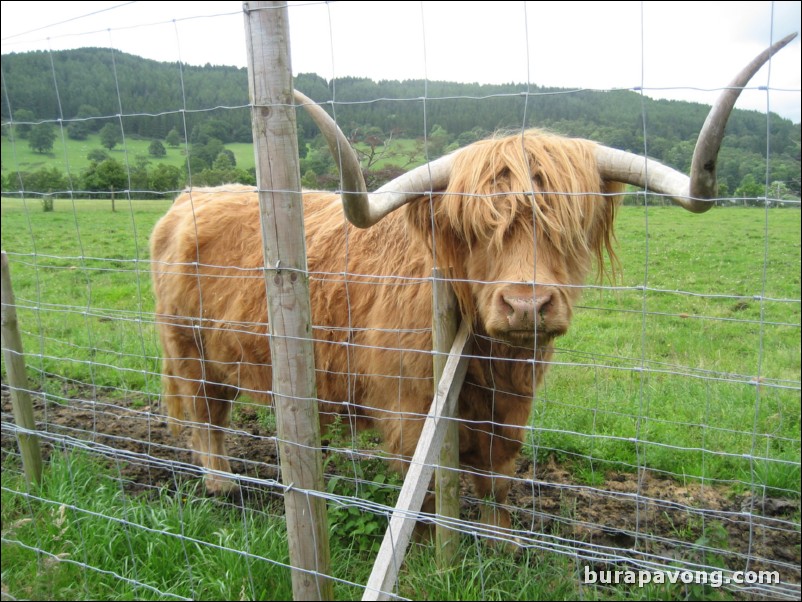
pixel 354 193
pixel 689 192
pixel 364 209
pixel 361 208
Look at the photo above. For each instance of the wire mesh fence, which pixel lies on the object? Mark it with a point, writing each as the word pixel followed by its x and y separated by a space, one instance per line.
pixel 663 435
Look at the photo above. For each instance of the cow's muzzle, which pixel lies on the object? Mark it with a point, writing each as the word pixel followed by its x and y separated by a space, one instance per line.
pixel 526 313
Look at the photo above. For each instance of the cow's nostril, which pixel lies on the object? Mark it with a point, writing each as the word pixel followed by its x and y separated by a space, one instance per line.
pixel 521 312
pixel 543 303
pixel 525 312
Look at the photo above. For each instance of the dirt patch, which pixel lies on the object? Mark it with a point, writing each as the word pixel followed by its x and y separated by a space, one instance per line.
pixel 658 520
pixel 641 518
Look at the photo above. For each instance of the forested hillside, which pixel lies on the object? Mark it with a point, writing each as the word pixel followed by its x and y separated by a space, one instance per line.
pixel 205 108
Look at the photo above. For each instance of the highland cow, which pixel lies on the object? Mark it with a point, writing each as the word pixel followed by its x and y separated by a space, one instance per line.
pixel 519 221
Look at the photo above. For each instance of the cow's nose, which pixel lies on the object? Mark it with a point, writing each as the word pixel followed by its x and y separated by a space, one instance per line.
pixel 525 312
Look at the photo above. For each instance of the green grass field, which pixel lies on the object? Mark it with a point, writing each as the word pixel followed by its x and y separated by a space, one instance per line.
pixel 680 371
pixel 690 367
pixel 180 545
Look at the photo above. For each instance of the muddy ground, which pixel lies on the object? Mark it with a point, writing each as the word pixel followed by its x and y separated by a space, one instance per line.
pixel 643 517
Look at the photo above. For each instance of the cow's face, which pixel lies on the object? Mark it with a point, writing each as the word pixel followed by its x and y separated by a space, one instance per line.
pixel 520 252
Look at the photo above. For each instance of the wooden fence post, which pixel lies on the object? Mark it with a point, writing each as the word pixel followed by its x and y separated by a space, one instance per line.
pixel 445 318
pixel 18 380
pixel 287 283
pixel 393 549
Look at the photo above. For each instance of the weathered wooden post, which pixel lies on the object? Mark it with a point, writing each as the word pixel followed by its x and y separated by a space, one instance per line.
pixel 18 380
pixel 287 283
pixel 445 319
pixel 444 406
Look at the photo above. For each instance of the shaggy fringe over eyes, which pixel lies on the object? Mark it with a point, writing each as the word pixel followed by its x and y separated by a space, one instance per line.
pixel 543 183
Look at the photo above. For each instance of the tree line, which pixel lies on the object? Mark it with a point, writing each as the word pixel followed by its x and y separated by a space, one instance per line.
pixel 92 90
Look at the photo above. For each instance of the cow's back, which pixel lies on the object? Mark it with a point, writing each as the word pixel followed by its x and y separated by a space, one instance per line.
pixel 369 289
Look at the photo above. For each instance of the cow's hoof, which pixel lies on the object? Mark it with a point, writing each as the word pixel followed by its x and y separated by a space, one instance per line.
pixel 220 486
pixel 498 529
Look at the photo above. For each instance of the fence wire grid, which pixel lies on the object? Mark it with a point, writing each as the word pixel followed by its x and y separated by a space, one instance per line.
pixel 664 436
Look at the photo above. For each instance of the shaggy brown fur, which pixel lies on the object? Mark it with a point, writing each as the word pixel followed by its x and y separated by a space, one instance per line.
pixel 518 210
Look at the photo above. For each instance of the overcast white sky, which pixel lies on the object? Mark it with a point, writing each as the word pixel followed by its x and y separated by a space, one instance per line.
pixel 689 47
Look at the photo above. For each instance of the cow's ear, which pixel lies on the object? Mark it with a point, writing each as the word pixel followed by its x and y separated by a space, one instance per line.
pixel 419 218
pixel 601 231
pixel 440 218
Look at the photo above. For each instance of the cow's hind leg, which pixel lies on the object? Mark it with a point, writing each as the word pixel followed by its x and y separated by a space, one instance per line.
pixel 212 416
pixel 205 407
